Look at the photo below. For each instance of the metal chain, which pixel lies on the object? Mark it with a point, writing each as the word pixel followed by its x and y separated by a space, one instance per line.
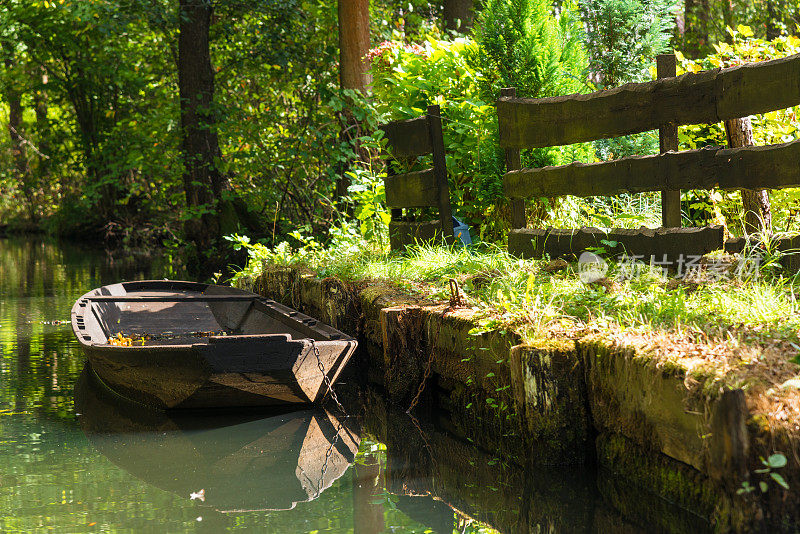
pixel 328 457
pixel 339 426
pixel 428 367
pixel 325 377
pixel 455 302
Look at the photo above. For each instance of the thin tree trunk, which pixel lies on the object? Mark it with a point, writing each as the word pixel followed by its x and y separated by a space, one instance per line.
pixel 353 73
pixel 354 44
pixel 727 17
pixel 367 490
pixel 772 20
pixel 458 10
pixel 757 212
pixel 202 181
pixel 696 27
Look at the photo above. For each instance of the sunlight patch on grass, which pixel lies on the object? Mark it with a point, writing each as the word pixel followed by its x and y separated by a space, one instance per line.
pixel 502 289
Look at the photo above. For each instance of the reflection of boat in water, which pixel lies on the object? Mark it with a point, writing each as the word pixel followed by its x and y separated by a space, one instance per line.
pixel 233 462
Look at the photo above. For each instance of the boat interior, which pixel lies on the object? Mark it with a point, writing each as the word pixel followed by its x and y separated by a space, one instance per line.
pixel 127 314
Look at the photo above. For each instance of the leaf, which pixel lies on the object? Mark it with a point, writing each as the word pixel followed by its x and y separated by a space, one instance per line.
pixel 779 479
pixel 763 486
pixel 746 31
pixel 776 461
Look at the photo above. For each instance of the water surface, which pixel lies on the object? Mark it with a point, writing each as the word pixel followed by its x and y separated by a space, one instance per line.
pixel 73 458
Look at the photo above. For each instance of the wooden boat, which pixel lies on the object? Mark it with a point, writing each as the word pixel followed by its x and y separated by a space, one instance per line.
pixel 230 462
pixel 171 344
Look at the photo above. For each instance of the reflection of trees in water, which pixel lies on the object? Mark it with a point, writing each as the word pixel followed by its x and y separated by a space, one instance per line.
pixel 368 491
pixel 39 281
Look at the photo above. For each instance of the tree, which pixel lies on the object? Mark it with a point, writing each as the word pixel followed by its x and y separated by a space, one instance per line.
pixel 353 44
pixel 353 73
pixel 696 30
pixel 623 38
pixel 757 210
pixel 458 15
pixel 522 44
pixel 202 181
pixel 13 96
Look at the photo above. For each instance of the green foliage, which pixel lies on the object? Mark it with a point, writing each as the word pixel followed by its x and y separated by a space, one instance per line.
pixel 523 44
pixel 110 138
pixel 708 21
pixel 102 142
pixel 768 475
pixel 407 78
pixel 368 194
pixel 624 37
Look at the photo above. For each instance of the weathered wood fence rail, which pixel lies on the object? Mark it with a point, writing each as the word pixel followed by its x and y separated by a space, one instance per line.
pixel 693 98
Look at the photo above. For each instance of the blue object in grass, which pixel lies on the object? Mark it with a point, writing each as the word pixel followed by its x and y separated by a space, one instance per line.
pixel 461 231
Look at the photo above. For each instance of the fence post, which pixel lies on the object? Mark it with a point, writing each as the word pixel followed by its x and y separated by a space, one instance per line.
pixel 513 163
pixel 666 67
pixel 440 170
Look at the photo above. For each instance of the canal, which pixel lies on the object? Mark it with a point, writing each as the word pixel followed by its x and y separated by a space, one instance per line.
pixel 73 458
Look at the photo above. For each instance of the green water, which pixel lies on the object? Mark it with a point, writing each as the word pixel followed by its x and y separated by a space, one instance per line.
pixel 75 459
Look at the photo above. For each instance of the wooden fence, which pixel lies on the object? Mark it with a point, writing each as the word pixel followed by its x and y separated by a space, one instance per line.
pixel 420 189
pixel 693 98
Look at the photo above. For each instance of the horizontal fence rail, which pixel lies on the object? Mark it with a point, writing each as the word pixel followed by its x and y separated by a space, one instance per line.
pixel 693 98
pixel 408 138
pixel 412 190
pixel 759 167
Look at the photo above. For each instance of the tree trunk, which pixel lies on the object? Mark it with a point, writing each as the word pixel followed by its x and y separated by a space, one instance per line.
pixel 696 27
pixel 367 491
pixel 458 10
pixel 727 17
pixel 772 21
pixel 202 181
pixel 353 71
pixel 757 212
pixel 353 44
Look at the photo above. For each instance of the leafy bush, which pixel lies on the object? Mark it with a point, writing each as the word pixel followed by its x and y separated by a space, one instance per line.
pixel 407 78
pixel 624 36
pixel 523 44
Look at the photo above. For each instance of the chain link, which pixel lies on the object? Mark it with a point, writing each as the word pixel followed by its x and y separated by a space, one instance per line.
pixel 428 367
pixel 339 426
pixel 328 457
pixel 325 377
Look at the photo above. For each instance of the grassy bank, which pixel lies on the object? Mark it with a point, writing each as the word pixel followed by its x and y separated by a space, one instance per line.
pixel 726 327
pixel 755 306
